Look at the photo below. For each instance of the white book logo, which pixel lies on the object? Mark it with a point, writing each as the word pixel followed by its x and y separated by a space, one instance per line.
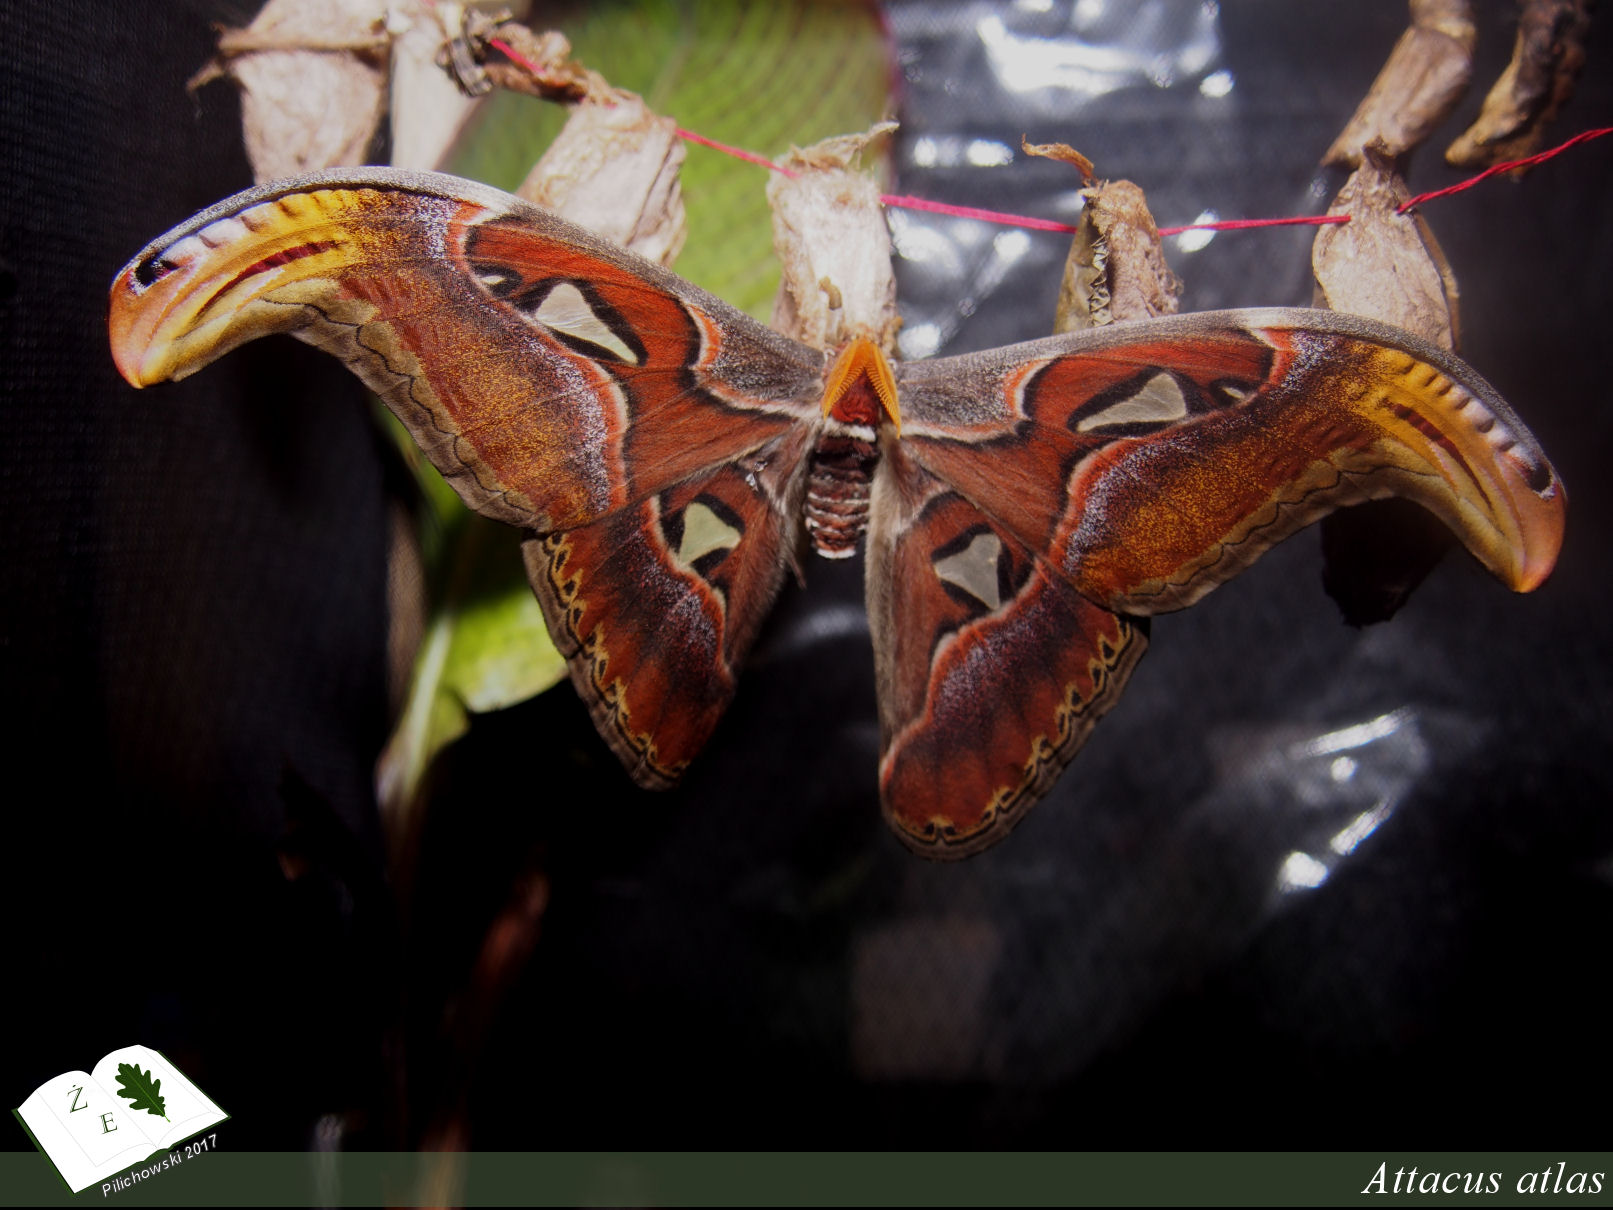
pixel 134 1105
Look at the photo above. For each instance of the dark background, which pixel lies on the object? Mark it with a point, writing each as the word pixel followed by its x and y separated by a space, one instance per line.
pixel 192 635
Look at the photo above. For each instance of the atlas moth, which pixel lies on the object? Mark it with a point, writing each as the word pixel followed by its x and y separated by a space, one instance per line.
pixel 670 459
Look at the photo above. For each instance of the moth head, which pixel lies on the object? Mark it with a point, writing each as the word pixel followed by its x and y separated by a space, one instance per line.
pixel 860 388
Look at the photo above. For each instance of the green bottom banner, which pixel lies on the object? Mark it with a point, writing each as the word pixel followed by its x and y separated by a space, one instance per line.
pixel 221 1178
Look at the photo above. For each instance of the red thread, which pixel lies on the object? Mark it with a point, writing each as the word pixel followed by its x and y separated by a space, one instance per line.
pixel 739 153
pixel 1231 224
pixel 1043 224
pixel 989 216
pixel 1540 157
pixel 1246 224
pixel 514 56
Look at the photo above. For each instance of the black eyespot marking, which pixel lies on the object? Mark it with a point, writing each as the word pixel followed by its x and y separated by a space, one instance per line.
pixel 152 270
pixel 500 282
pixel 1230 392
pixel 1539 477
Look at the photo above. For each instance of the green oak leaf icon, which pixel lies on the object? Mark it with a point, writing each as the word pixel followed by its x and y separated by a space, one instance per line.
pixel 143 1091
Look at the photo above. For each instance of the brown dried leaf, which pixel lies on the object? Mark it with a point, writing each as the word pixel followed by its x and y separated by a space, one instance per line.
pixel 614 169
pixel 1383 264
pixel 313 81
pixel 1420 84
pixel 1546 61
pixel 834 247
pixel 1116 269
pixel 541 66
pixel 1064 153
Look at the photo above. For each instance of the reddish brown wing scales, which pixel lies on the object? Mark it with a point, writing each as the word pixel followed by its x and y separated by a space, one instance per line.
pixel 992 669
pixel 1156 522
pixel 1051 413
pixel 658 436
pixel 665 424
pixel 1071 393
pixel 656 606
pixel 518 423
pixel 552 378
pixel 539 422
pixel 1151 463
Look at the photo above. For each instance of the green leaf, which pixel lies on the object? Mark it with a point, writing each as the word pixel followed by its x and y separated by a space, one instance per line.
pixel 143 1091
pixel 485 648
pixel 761 75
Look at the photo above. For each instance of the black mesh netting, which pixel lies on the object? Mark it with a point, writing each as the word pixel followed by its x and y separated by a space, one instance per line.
pixel 1307 886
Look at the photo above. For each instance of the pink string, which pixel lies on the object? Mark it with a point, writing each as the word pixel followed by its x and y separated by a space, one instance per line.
pixel 1246 224
pixel 1540 157
pixel 739 153
pixel 988 216
pixel 1044 224
pixel 1231 224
